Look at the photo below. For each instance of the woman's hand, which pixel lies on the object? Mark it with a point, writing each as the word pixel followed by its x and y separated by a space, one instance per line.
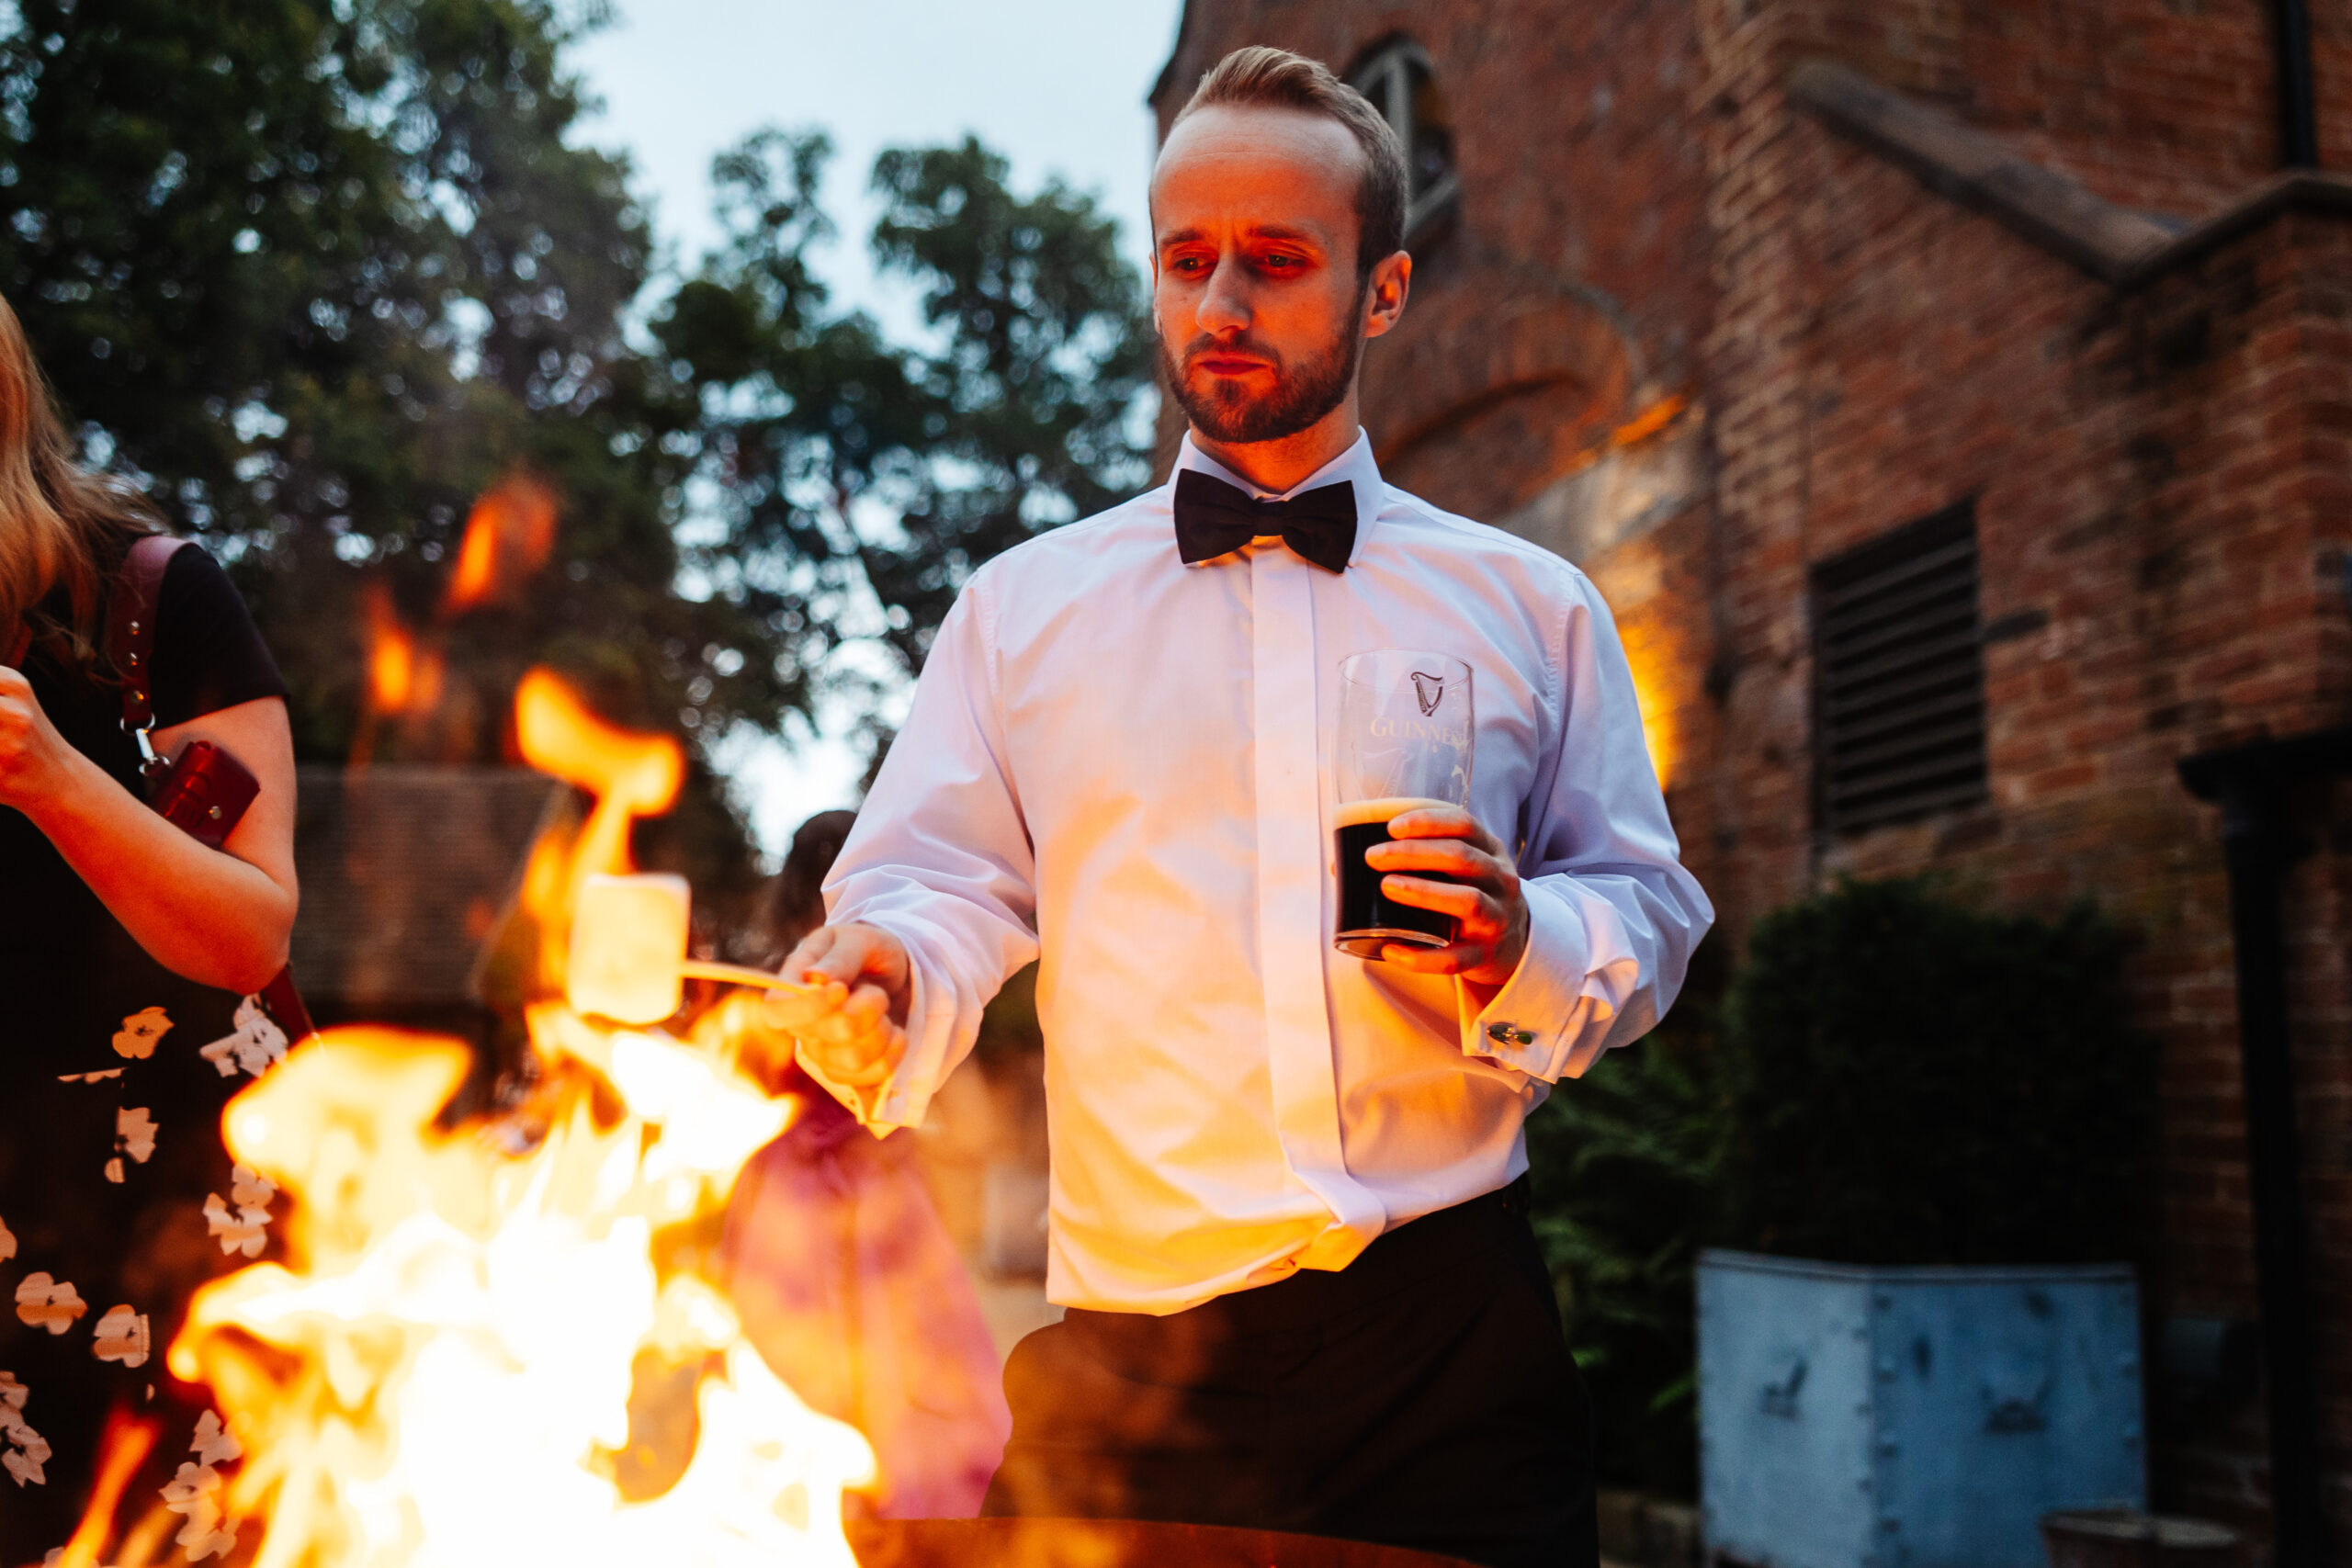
pixel 35 760
pixel 1481 893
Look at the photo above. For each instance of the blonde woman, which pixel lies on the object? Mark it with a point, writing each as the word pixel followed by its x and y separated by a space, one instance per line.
pixel 125 946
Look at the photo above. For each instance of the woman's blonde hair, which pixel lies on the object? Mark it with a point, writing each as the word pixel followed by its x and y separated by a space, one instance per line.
pixel 62 528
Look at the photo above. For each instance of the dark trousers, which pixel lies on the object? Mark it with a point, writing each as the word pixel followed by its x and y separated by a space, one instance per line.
pixel 1422 1397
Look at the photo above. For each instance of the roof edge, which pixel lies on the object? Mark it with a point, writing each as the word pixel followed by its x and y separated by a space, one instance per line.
pixel 2292 191
pixel 1175 52
pixel 1980 170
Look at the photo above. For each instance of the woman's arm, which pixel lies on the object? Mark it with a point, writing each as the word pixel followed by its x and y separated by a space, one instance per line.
pixel 220 916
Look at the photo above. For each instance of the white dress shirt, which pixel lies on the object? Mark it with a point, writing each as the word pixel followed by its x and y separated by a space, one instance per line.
pixel 1124 761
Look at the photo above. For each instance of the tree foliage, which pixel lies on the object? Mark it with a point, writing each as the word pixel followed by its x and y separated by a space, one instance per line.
pixel 1628 1167
pixel 320 272
pixel 320 277
pixel 880 477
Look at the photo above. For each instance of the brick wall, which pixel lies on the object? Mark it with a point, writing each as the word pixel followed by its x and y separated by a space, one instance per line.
pixel 1554 308
pixel 2162 475
pixel 2165 105
pixel 2161 484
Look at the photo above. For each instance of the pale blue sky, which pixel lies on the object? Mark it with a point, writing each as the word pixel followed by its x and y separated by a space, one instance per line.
pixel 1056 85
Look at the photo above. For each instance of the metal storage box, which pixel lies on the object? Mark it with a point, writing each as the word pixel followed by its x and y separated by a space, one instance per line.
pixel 1853 1417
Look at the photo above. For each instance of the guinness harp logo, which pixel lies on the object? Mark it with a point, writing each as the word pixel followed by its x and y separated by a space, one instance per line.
pixel 1430 690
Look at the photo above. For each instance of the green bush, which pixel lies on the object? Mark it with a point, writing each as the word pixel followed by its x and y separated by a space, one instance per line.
pixel 1892 1077
pixel 1627 1164
pixel 1914 1081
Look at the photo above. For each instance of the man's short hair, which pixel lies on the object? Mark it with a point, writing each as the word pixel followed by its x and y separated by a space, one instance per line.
pixel 1261 77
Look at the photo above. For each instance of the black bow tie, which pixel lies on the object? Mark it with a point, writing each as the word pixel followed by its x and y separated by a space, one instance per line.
pixel 1214 518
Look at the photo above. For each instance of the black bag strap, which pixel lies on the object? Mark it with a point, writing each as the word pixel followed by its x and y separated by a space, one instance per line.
pixel 131 644
pixel 131 637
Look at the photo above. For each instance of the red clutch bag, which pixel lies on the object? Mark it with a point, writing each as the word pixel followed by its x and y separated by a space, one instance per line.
pixel 203 792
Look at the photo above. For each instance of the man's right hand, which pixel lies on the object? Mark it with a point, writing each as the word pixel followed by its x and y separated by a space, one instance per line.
pixel 853 1024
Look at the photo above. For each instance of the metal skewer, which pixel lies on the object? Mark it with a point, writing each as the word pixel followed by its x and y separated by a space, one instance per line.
pixel 740 975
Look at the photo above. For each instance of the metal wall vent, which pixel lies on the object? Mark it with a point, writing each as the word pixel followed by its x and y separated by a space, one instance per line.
pixel 1899 674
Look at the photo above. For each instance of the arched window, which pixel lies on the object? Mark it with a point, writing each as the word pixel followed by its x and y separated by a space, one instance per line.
pixel 1397 78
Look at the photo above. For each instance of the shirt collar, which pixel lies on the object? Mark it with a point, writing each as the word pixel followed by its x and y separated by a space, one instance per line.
pixel 1355 466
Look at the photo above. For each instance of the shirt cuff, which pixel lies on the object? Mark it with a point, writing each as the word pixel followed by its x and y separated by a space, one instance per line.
pixel 1530 1025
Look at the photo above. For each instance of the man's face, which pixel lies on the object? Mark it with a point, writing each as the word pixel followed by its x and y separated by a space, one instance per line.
pixel 1255 290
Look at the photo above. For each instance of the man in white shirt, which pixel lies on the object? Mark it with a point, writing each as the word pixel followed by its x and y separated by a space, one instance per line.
pixel 1287 1212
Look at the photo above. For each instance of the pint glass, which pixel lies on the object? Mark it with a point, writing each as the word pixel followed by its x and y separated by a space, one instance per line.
pixel 1404 743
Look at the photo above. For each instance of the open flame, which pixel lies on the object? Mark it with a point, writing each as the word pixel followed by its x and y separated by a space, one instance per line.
pixel 392 659
pixel 462 1357
pixel 123 1445
pixel 631 775
pixel 508 535
pixel 403 675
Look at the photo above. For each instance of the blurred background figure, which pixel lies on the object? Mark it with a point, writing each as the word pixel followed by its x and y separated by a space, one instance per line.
pixel 846 1280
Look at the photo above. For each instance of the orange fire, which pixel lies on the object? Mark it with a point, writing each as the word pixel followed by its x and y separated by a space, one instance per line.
pixel 122 1448
pixel 508 537
pixel 402 677
pixel 451 1365
pixel 631 775
pixel 391 669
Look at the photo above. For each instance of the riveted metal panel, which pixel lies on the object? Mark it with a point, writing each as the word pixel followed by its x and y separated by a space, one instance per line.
pixel 1784 1391
pixel 1856 1418
pixel 2014 1392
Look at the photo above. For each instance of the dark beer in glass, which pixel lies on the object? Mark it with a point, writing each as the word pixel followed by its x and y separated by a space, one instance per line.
pixel 1404 744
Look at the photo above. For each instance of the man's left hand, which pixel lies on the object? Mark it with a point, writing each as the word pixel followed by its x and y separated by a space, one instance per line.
pixel 1481 893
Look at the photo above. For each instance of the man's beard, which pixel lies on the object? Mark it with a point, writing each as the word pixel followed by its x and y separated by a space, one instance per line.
pixel 1302 395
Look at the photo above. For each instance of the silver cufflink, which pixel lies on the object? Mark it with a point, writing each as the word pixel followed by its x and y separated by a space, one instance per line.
pixel 1509 1034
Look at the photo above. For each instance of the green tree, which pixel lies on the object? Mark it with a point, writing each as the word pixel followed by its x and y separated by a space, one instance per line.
pixel 319 274
pixel 1048 350
pixel 861 477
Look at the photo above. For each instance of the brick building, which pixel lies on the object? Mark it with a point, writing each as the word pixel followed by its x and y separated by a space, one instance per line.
pixel 1954 402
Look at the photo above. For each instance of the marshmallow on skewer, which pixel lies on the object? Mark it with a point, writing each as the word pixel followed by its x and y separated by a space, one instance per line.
pixel 628 956
pixel 629 934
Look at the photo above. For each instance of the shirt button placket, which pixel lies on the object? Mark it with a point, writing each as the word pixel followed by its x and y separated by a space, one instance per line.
pixel 1301 1065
